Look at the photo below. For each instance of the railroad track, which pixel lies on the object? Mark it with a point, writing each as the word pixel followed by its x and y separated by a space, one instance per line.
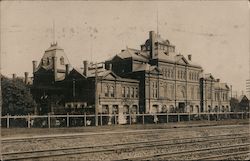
pixel 128 147
pixel 132 132
pixel 190 154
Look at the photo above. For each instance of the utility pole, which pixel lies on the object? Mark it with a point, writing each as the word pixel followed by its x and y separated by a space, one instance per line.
pixel 96 96
pixel 1 156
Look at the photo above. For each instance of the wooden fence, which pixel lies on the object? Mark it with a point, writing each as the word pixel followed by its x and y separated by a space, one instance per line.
pixel 49 121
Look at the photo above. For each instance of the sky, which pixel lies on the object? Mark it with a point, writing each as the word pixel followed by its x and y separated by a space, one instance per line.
pixel 216 33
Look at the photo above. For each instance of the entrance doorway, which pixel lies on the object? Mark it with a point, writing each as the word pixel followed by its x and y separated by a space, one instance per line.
pixel 181 107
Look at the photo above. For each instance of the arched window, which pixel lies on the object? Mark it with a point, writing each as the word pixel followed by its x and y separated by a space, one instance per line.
pixel 106 92
pixel 62 61
pixel 191 109
pixel 48 61
pixel 112 91
pixel 136 92
pixel 192 92
pixel 127 92
pixel 132 92
pixel 123 91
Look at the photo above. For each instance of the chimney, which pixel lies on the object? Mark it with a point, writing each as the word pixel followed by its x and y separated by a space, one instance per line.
pixel 14 76
pixel 54 60
pixel 85 67
pixel 26 74
pixel 34 65
pixel 67 70
pixel 190 57
pixel 152 44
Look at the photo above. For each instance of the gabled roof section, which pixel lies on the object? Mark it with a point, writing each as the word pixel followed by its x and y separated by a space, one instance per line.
pixel 219 85
pixel 173 57
pixel 110 75
pixel 134 54
pixel 76 73
pixel 243 97
pixel 209 76
pixel 147 68
pixel 181 59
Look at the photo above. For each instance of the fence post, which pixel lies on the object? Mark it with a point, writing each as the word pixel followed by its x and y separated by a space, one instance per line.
pixel 178 115
pixel 8 121
pixel 189 117
pixel 101 118
pixel 143 119
pixel 67 119
pixel 129 118
pixel 115 118
pixel 208 116
pixel 96 119
pixel 85 119
pixel 48 120
pixel 217 116
pixel 28 120
pixel 242 115
pixel 167 117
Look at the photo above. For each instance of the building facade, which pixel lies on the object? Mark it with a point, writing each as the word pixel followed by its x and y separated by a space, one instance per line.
pixel 154 79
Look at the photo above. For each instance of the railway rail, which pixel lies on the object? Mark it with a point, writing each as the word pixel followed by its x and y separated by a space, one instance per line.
pixel 132 132
pixel 132 147
pixel 243 149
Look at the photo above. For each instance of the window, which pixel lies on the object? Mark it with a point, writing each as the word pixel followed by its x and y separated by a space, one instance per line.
pixel 155 89
pixel 42 61
pixel 198 93
pixel 136 92
pixel 62 61
pixel 132 92
pixel 169 73
pixel 123 91
pixel 48 61
pixel 127 92
pixel 112 91
pixel 106 92
pixel 165 91
pixel 192 92
pixel 209 94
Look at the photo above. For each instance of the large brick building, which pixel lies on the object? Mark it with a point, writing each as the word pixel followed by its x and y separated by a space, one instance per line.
pixel 153 79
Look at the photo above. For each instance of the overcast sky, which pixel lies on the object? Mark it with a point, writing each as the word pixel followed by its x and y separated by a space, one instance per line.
pixel 216 33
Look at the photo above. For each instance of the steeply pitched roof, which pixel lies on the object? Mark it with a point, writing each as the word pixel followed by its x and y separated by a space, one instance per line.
pixel 134 54
pixel 104 74
pixel 242 97
pixel 219 85
pixel 46 62
pixel 175 58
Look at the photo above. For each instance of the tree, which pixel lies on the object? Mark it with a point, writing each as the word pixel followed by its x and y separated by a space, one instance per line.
pixel 16 96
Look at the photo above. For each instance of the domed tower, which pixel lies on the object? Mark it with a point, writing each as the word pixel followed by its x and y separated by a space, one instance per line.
pixel 53 64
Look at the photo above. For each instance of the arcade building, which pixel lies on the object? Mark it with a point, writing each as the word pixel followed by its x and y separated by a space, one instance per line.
pixel 152 79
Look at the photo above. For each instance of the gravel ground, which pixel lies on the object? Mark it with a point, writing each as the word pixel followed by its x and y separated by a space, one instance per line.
pixel 23 132
pixel 170 132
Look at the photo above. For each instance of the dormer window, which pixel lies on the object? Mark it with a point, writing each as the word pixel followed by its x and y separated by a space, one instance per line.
pixel 166 53
pixel 42 61
pixel 62 61
pixel 48 61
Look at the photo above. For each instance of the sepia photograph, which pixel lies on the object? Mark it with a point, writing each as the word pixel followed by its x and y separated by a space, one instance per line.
pixel 124 80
